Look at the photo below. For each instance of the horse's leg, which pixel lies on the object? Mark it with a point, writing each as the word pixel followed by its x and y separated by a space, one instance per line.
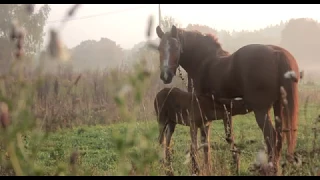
pixel 169 132
pixel 193 150
pixel 205 134
pixel 269 133
pixel 278 124
pixel 162 131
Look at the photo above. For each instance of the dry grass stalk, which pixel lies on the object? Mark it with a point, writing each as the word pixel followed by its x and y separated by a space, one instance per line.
pixel 73 9
pixel 4 115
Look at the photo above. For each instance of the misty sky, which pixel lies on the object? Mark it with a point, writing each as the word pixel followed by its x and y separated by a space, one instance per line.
pixel 126 23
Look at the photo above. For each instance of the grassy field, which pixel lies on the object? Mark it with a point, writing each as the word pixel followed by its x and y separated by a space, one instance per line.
pixel 80 125
pixel 99 152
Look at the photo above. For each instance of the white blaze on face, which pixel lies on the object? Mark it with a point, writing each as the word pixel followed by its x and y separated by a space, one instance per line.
pixel 166 58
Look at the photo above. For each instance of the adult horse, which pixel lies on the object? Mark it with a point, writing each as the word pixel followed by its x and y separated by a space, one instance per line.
pixel 254 72
pixel 227 120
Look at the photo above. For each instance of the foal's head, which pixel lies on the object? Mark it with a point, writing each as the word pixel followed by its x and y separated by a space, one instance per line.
pixel 170 50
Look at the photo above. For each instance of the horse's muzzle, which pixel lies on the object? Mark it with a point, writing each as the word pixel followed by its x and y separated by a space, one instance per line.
pixel 166 76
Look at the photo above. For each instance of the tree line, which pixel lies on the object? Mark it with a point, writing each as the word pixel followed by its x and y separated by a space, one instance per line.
pixel 300 36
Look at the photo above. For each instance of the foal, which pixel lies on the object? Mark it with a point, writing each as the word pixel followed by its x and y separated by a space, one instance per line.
pixel 175 106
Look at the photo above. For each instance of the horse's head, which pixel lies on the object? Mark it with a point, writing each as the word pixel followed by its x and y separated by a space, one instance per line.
pixel 170 50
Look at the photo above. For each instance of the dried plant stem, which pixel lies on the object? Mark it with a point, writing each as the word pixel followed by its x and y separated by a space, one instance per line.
pixel 314 141
pixel 68 92
pixel 14 159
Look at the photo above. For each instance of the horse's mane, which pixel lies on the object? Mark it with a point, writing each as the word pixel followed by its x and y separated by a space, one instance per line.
pixel 207 39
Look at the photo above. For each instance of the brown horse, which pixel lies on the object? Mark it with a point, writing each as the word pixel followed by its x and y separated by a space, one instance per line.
pixel 174 106
pixel 254 72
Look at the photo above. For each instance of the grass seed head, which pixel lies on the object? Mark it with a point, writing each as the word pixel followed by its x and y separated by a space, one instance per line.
pixel 30 8
pixel 54 44
pixel 301 74
pixel 73 9
pixel 4 115
pixel 56 48
pixel 150 26
pixel 318 119
pixel 14 30
pixel 283 92
pixel 261 157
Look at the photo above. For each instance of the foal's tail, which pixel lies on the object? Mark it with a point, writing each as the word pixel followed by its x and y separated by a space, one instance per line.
pixel 289 77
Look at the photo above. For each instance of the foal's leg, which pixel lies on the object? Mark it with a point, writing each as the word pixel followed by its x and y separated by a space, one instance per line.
pixel 194 148
pixel 168 163
pixel 205 134
pixel 162 140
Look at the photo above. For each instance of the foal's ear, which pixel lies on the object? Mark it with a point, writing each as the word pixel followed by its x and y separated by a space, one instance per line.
pixel 159 31
pixel 174 32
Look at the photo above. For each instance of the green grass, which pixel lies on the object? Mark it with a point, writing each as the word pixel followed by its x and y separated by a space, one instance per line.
pixel 99 154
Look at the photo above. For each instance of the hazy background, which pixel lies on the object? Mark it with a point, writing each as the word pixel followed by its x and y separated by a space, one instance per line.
pixel 125 23
pixel 104 36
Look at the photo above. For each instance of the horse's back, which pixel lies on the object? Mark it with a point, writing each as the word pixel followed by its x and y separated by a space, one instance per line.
pixel 262 63
pixel 253 54
pixel 259 70
pixel 161 95
pixel 291 60
pixel 168 97
pixel 159 100
pixel 256 64
pixel 260 53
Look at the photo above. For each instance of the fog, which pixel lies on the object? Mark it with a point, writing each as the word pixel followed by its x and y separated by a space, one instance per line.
pixel 103 36
pixel 125 23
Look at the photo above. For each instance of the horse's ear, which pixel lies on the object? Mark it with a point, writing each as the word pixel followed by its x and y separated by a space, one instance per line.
pixel 174 32
pixel 159 31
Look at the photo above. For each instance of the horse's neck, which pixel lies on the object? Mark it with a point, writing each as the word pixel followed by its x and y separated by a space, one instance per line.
pixel 195 54
pixel 192 62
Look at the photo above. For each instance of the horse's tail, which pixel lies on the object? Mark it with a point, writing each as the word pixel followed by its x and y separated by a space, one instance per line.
pixel 289 77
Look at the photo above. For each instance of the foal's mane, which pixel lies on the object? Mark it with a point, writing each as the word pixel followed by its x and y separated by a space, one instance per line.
pixel 201 40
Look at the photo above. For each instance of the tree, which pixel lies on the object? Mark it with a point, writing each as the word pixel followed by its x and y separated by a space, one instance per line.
pixel 32 23
pixel 302 38
pixel 167 22
pixel 97 54
pixel 201 28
